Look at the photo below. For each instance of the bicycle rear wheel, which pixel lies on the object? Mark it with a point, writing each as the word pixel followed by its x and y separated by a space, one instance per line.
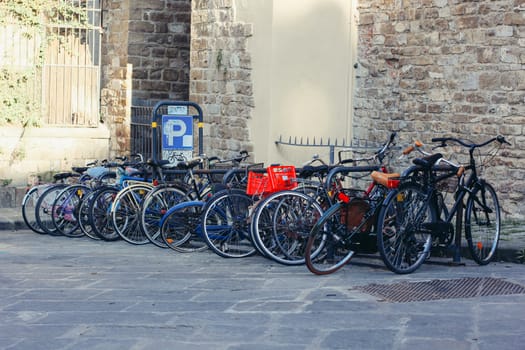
pixel 225 224
pixel 402 240
pixel 483 224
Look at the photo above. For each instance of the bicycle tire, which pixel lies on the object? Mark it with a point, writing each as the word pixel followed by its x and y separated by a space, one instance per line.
pixel 483 223
pixel 100 213
pixel 84 219
pixel 329 245
pixel 402 241
pixel 67 206
pixel 125 213
pixel 281 224
pixel 156 203
pixel 44 209
pixel 225 224
pixel 181 227
pixel 29 207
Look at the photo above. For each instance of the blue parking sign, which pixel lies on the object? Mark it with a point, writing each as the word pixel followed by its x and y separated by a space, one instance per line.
pixel 177 132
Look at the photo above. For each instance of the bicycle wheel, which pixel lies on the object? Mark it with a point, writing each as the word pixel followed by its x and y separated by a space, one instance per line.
pixel 100 213
pixel 402 239
pixel 125 213
pixel 44 209
pixel 282 223
pixel 29 207
pixel 225 224
pixel 334 238
pixel 181 227
pixel 483 223
pixel 67 205
pixel 154 206
pixel 84 219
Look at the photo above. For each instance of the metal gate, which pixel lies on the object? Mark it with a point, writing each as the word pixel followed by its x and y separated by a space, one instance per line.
pixel 141 131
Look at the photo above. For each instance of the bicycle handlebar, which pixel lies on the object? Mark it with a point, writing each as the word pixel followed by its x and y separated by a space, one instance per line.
pixel 444 140
pixel 379 154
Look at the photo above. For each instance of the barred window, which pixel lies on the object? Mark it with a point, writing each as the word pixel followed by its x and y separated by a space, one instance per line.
pixel 71 68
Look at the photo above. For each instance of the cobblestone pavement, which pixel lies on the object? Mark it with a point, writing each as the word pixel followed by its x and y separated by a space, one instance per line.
pixel 63 293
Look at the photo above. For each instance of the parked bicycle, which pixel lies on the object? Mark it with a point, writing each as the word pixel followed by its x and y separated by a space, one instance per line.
pixel 415 215
pixel 348 226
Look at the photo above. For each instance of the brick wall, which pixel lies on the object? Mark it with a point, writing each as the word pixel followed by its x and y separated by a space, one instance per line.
pixel 432 68
pixel 220 76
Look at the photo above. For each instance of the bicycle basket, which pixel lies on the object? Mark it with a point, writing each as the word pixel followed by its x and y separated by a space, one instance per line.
pixel 257 183
pixel 282 177
pixel 353 212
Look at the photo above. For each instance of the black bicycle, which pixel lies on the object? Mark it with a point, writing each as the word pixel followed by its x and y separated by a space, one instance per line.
pixel 415 215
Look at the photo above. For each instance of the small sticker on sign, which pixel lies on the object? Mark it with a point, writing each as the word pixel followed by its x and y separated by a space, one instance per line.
pixel 178 110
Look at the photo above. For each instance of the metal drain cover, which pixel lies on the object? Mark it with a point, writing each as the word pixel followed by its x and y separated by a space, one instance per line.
pixel 441 289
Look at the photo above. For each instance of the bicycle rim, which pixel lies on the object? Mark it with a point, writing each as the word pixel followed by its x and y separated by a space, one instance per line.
pixel 402 243
pixel 329 244
pixel 181 228
pixel 282 224
pixel 483 224
pixel 225 224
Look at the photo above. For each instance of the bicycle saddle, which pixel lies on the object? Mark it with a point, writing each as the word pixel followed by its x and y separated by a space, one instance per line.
pixel 189 164
pixel 309 170
pixel 428 161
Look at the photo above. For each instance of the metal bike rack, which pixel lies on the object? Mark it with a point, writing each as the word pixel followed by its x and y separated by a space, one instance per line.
pixel 355 144
pixel 156 119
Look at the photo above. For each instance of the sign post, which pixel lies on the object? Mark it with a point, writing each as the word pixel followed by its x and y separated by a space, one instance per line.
pixel 175 141
pixel 177 138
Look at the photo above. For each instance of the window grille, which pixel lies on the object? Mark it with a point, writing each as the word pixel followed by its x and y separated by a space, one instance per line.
pixel 71 69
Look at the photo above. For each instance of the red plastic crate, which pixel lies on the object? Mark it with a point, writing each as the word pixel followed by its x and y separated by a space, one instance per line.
pixel 257 183
pixel 282 177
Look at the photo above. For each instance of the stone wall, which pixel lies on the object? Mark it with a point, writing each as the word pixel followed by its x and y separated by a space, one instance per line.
pixel 434 68
pixel 145 59
pixel 116 75
pixel 159 49
pixel 220 76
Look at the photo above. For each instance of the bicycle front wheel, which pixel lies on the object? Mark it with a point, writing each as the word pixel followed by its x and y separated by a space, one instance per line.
pixel 329 244
pixel 67 205
pixel 29 207
pixel 483 223
pixel 100 213
pixel 181 227
pixel 403 240
pixel 154 206
pixel 281 225
pixel 125 213
pixel 44 209
pixel 225 224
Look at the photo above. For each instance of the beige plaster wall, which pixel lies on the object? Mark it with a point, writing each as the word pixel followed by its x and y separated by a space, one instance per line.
pixel 302 72
pixel 46 150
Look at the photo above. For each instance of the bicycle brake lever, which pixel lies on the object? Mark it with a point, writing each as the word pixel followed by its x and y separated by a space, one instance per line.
pixel 501 139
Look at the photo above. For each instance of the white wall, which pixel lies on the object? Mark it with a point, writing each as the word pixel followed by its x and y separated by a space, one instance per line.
pixel 302 58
